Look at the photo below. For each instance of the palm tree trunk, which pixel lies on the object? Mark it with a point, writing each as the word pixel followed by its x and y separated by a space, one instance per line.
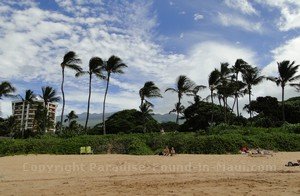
pixel 177 117
pixel 63 96
pixel 237 106
pixel 103 114
pixel 283 112
pixel 142 101
pixel 225 111
pixel 236 97
pixel 212 101
pixel 250 112
pixel 233 104
pixel 89 100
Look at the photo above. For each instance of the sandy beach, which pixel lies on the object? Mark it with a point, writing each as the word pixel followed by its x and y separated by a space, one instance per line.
pixel 152 175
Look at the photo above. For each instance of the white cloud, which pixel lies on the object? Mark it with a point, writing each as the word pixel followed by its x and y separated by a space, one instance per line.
pixel 198 16
pixel 290 13
pixel 287 51
pixel 238 21
pixel 243 6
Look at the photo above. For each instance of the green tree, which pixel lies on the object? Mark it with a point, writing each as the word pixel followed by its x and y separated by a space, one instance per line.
pixel 225 86
pixel 70 61
pixel 238 67
pixel 95 68
pixel 287 74
pixel 184 85
pixel 71 117
pixel 49 95
pixel 195 91
pixel 149 90
pixel 131 121
pixel 27 100
pixel 179 109
pixel 6 89
pixel 251 77
pixel 146 110
pixel 213 80
pixel 114 65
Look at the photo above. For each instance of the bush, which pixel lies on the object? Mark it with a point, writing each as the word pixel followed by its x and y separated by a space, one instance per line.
pixel 152 143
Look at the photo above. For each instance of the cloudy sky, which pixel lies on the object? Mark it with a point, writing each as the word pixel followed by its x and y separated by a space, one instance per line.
pixel 158 40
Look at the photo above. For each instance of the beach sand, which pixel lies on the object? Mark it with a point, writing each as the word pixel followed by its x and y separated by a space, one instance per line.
pixel 152 175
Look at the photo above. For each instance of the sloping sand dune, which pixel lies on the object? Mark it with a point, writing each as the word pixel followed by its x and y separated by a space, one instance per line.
pixel 152 175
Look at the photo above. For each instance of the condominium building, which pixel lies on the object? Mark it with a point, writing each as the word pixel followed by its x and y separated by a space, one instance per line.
pixel 25 113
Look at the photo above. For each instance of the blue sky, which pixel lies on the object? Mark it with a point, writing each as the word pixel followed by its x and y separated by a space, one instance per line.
pixel 158 40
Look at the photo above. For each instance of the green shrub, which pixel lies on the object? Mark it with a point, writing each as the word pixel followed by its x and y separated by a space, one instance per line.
pixel 153 143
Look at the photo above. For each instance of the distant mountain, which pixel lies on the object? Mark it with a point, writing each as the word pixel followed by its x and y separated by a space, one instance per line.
pixel 97 118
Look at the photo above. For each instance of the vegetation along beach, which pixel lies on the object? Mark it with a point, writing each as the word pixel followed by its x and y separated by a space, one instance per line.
pixel 149 97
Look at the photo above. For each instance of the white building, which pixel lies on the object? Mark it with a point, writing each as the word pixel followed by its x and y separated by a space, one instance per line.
pixel 25 113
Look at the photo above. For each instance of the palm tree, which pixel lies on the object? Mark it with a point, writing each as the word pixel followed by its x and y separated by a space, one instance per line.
pixel 287 73
pixel 149 90
pixel 28 99
pixel 237 68
pixel 183 86
pixel 297 86
pixel 70 61
pixel 225 86
pixel 71 117
pixel 195 91
pixel 146 111
pixel 49 95
pixel 213 80
pixel 95 67
pixel 113 65
pixel 178 110
pixel 6 89
pixel 251 77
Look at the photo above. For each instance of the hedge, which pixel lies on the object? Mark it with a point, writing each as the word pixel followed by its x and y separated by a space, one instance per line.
pixel 152 143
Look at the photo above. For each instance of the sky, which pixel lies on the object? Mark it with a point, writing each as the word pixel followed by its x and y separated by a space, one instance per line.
pixel 157 39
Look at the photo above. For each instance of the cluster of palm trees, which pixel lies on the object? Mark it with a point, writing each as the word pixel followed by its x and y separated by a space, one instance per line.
pixel 223 83
pixel 97 66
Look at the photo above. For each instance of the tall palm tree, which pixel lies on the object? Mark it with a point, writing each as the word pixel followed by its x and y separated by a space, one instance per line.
pixel 213 80
pixel 251 77
pixel 6 89
pixel 70 61
pixel 114 65
pixel 237 68
pixel 183 86
pixel 225 87
pixel 71 117
pixel 95 68
pixel 149 90
pixel 49 95
pixel 27 100
pixel 287 74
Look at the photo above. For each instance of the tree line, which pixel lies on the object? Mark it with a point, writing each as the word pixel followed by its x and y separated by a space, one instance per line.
pixel 225 82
